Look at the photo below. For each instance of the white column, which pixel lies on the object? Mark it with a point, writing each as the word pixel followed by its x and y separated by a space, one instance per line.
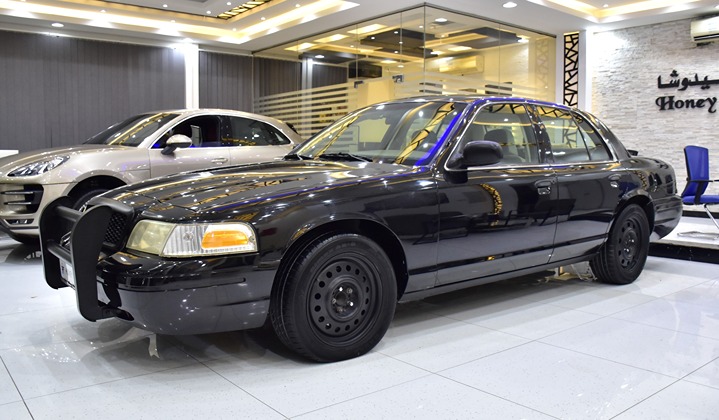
pixel 584 99
pixel 192 75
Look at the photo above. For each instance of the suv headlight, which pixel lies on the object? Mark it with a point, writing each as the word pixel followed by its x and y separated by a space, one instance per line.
pixel 190 240
pixel 39 167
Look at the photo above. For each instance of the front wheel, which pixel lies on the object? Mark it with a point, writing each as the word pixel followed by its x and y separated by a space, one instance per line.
pixel 83 198
pixel 337 300
pixel 622 258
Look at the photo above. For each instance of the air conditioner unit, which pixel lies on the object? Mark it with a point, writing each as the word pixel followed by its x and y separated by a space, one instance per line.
pixel 705 30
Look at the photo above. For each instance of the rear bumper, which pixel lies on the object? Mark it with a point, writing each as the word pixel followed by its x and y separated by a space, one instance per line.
pixel 667 212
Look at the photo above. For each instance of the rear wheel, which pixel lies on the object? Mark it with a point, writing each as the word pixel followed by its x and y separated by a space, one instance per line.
pixel 337 300
pixel 622 258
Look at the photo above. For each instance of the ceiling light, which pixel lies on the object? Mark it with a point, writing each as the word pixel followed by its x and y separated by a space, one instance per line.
pixel 57 25
pixel 440 20
pixel 367 29
pixel 209 12
pixel 388 61
pixel 319 56
pixel 460 48
pixel 164 5
pixel 396 32
pixel 420 26
pixel 401 66
pixel 303 46
pixel 396 52
pixel 331 38
pixel 263 18
pixel 297 5
pixel 509 5
pixel 605 5
pixel 229 3
pixel 102 11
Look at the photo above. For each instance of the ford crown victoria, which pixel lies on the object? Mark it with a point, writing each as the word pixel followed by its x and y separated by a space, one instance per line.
pixel 391 203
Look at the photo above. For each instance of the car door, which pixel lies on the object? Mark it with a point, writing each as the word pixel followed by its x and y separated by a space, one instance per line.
pixel 589 181
pixel 502 217
pixel 252 140
pixel 206 151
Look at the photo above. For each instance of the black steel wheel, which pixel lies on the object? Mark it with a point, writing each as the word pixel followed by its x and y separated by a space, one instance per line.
pixel 622 258
pixel 337 300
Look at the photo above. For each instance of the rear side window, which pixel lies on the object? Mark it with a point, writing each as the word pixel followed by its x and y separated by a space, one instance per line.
pixel 240 131
pixel 572 138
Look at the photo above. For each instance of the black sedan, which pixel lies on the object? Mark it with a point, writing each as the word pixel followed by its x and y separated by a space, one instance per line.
pixel 394 202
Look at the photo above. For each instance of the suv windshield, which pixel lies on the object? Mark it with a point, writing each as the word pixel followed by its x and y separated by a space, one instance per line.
pixel 132 131
pixel 406 133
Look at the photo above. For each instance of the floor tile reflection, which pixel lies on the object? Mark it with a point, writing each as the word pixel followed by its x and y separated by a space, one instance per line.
pixel 538 347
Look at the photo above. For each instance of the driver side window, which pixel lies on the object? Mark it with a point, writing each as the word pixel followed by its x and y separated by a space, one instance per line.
pixel 508 125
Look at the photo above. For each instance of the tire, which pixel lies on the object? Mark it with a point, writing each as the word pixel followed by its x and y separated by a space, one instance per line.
pixel 86 196
pixel 26 240
pixel 337 300
pixel 622 258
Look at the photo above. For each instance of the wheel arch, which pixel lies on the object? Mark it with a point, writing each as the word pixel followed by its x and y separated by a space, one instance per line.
pixel 373 230
pixel 94 182
pixel 644 201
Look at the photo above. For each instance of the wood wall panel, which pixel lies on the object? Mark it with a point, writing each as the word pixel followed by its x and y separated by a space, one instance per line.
pixel 225 81
pixel 58 91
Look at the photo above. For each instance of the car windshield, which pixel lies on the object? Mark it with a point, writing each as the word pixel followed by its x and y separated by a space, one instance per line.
pixel 406 133
pixel 132 131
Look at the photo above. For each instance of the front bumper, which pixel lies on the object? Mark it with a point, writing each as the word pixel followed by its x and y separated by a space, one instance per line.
pixel 21 205
pixel 178 296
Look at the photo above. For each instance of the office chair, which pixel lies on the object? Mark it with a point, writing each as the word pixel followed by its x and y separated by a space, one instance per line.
pixel 697 161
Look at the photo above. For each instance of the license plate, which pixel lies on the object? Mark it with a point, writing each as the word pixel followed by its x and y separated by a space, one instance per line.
pixel 67 272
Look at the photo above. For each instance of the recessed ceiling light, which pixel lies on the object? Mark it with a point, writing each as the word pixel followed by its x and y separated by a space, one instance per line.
pixel 509 5
pixel 396 32
pixel 229 3
pixel 209 12
pixel 440 20
pixel 164 5
pixel 420 26
pixel 400 43
pixel 320 56
pixel 605 5
pixel 297 5
pixel 396 52
pixel 234 29
pixel 57 25
pixel 401 66
pixel 102 11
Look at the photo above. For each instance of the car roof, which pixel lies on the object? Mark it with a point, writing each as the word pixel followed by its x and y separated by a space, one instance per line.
pixel 188 112
pixel 479 100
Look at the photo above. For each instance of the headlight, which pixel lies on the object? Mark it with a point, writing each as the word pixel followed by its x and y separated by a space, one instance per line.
pixel 190 240
pixel 40 167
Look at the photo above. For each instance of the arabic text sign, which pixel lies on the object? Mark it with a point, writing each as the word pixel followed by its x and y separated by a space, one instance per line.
pixel 670 102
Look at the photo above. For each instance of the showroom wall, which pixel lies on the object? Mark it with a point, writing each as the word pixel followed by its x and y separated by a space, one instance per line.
pixel 59 91
pixel 658 120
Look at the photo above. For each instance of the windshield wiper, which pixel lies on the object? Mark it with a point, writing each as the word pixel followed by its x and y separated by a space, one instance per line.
pixel 344 156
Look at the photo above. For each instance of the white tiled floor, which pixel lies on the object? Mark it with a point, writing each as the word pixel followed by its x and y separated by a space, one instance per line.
pixel 558 348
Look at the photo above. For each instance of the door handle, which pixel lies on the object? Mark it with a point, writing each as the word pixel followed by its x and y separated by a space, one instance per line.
pixel 219 161
pixel 544 187
pixel 614 180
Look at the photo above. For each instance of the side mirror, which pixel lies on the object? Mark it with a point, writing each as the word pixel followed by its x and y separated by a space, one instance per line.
pixel 477 153
pixel 633 152
pixel 175 142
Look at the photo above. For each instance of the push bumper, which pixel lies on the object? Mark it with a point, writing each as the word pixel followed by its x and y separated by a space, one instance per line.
pixel 180 296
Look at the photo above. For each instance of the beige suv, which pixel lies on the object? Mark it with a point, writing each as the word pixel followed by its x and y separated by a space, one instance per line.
pixel 141 147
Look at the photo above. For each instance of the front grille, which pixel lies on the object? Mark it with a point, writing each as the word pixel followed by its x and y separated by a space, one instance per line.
pixel 115 230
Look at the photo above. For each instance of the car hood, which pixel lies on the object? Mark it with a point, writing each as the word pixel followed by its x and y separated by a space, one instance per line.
pixel 240 186
pixel 11 162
